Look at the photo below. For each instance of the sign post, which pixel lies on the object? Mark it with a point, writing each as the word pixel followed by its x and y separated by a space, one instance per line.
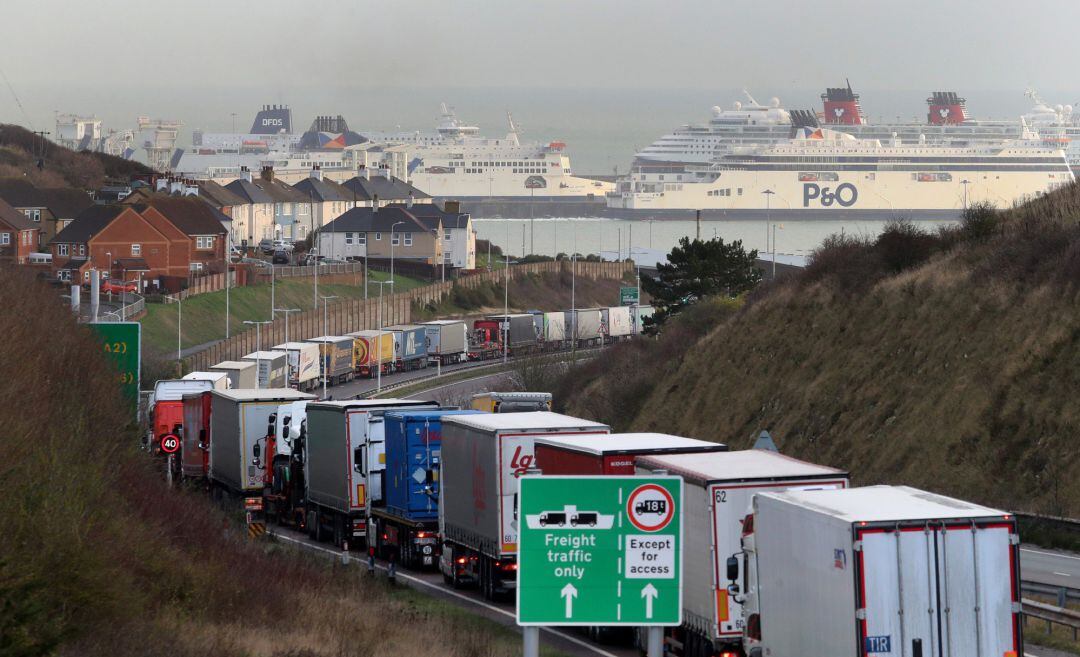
pixel 628 296
pixel 600 551
pixel 122 343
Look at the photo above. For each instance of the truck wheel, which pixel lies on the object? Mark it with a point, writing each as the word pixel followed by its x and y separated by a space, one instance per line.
pixel 339 531
pixel 320 532
pixel 312 520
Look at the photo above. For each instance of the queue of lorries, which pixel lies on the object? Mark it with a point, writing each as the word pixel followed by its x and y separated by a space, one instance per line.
pixel 782 558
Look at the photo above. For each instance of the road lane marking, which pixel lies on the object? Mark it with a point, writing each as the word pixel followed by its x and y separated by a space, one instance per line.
pixel 337 554
pixel 1062 574
pixel 1050 554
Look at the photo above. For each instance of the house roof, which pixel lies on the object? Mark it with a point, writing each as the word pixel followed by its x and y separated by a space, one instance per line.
pixel 449 219
pixel 88 223
pixel 323 190
pixel 13 218
pixel 249 191
pixel 365 220
pixel 63 202
pixel 218 195
pixel 278 191
pixel 73 263
pixel 387 189
pixel 132 264
pixel 189 214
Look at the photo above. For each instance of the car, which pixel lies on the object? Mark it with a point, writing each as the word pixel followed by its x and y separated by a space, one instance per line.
pixel 283 245
pixel 116 287
pixel 281 257
pixel 266 246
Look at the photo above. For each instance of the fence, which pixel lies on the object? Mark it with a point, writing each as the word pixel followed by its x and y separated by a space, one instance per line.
pixel 357 314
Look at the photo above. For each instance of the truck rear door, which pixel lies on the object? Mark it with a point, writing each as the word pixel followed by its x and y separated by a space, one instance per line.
pixel 376 460
pixel 938 591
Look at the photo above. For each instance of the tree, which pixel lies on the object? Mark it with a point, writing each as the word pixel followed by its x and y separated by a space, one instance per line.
pixel 698 269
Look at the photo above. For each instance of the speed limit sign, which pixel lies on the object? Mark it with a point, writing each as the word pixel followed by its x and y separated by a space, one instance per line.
pixel 170 443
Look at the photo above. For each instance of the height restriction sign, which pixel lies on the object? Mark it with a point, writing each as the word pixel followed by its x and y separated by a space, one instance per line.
pixel 600 551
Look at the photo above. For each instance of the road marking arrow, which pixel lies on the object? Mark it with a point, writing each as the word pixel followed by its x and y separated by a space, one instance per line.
pixel 649 593
pixel 569 592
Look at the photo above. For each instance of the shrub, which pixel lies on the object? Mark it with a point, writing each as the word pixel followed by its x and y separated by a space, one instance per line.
pixel 903 245
pixel 847 262
pixel 980 221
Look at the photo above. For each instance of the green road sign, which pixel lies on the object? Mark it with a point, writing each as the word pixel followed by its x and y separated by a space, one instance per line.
pixel 628 296
pixel 599 550
pixel 122 342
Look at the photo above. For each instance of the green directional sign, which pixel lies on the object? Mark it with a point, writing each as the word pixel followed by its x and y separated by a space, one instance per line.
pixel 599 550
pixel 628 296
pixel 122 343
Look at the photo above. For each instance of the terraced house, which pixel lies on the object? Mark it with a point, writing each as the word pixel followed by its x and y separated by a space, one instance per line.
pixel 51 209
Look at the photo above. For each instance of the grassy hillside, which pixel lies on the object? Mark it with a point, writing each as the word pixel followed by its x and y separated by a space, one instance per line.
pixel 99 558
pixel 946 361
pixel 20 151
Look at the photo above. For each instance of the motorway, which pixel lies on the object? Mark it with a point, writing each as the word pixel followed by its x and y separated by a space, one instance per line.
pixel 1049 567
pixel 431 583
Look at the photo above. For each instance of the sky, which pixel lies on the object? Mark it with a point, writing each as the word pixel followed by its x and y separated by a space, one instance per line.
pixel 563 67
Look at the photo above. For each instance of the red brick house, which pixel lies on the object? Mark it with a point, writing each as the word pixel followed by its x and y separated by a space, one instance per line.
pixel 18 235
pixel 162 241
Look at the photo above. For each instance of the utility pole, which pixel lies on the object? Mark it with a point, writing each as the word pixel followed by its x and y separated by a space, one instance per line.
pixel 573 297
pixel 505 328
pixel 179 327
pixel 768 216
pixel 287 311
pixel 326 331
pixel 311 216
pixel 378 346
pixel 228 275
pixel 392 227
pixel 698 222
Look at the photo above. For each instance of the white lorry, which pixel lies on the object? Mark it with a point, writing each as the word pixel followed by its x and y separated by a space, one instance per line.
pixel 880 571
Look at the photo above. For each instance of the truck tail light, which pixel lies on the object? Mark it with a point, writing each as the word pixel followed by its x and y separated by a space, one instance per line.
pixel 753 627
pixel 421 534
pixel 460 561
pixel 509 566
pixel 748 525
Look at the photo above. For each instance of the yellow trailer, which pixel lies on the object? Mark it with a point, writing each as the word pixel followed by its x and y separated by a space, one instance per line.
pixel 373 349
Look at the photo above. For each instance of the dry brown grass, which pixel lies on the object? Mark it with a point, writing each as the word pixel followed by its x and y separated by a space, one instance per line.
pixel 960 375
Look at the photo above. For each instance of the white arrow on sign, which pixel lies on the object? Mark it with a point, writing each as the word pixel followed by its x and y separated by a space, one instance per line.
pixel 569 592
pixel 649 593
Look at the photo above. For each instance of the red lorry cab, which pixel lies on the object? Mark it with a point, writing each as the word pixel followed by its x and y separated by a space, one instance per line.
pixel 195 444
pixel 167 406
pixel 614 454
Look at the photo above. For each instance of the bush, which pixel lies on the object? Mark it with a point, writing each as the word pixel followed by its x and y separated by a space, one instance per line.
pixel 979 222
pixel 903 245
pixel 846 261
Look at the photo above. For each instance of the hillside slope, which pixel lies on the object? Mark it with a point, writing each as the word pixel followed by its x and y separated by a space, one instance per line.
pixel 21 150
pixel 960 374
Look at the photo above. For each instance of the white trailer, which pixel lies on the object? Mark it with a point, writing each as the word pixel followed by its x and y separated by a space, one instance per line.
pixel 881 571
pixel 271 368
pixel 241 373
pixel 305 364
pixel 554 330
pixel 637 317
pixel 617 323
pixel 718 488
pixel 219 380
pixel 447 340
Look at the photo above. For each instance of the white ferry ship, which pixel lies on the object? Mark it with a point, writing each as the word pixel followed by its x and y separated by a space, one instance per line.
pixel 455 161
pixel 827 173
pixel 750 123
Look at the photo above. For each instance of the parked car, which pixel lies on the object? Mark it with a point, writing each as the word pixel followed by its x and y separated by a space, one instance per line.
pixel 283 245
pixel 116 287
pixel 281 257
pixel 266 246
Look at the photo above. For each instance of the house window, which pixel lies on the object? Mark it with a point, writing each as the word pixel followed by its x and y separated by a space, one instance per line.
pixel 204 243
pixel 361 239
pixel 348 239
pixel 61 249
pixel 408 239
pixel 136 249
pixel 34 215
pixel 82 249
pixel 446 236
pixel 5 239
pixel 196 266
pixel 395 239
pixel 378 237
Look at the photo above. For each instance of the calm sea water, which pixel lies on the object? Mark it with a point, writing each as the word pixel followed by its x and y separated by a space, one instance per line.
pixel 549 236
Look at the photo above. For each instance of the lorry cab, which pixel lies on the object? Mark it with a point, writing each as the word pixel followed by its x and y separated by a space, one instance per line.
pixel 167 407
pixel 511 402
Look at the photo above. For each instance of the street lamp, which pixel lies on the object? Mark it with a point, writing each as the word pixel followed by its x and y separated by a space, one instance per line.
pixel 395 225
pixel 768 214
pixel 258 349
pixel 378 346
pixel 326 331
pixel 965 182
pixel 287 311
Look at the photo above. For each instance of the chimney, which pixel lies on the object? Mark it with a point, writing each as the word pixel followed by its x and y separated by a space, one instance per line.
pixel 267 173
pixel 409 202
pixel 453 207
pixel 245 174
pixel 176 186
pixel 161 184
pixel 386 172
pixel 191 188
pixel 316 172
pixel 367 173
pixel 374 204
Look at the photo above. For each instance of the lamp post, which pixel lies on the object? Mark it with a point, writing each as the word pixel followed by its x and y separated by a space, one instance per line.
pixel 287 311
pixel 258 348
pixel 326 331
pixel 768 214
pixel 179 328
pixel 228 257
pixel 378 346
pixel 392 227
pixel 965 182
pixel 573 297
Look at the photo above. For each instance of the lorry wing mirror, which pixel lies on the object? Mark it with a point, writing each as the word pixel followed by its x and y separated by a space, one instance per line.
pixel 270 422
pixel 202 439
pixel 358 459
pixel 256 450
pixel 732 569
pixel 286 421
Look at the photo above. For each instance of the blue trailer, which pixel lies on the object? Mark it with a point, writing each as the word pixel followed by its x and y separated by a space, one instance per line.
pixel 410 346
pixel 406 524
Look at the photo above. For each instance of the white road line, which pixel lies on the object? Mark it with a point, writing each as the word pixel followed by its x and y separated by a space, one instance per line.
pixel 459 382
pixel 336 554
pixel 1062 574
pixel 1050 554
